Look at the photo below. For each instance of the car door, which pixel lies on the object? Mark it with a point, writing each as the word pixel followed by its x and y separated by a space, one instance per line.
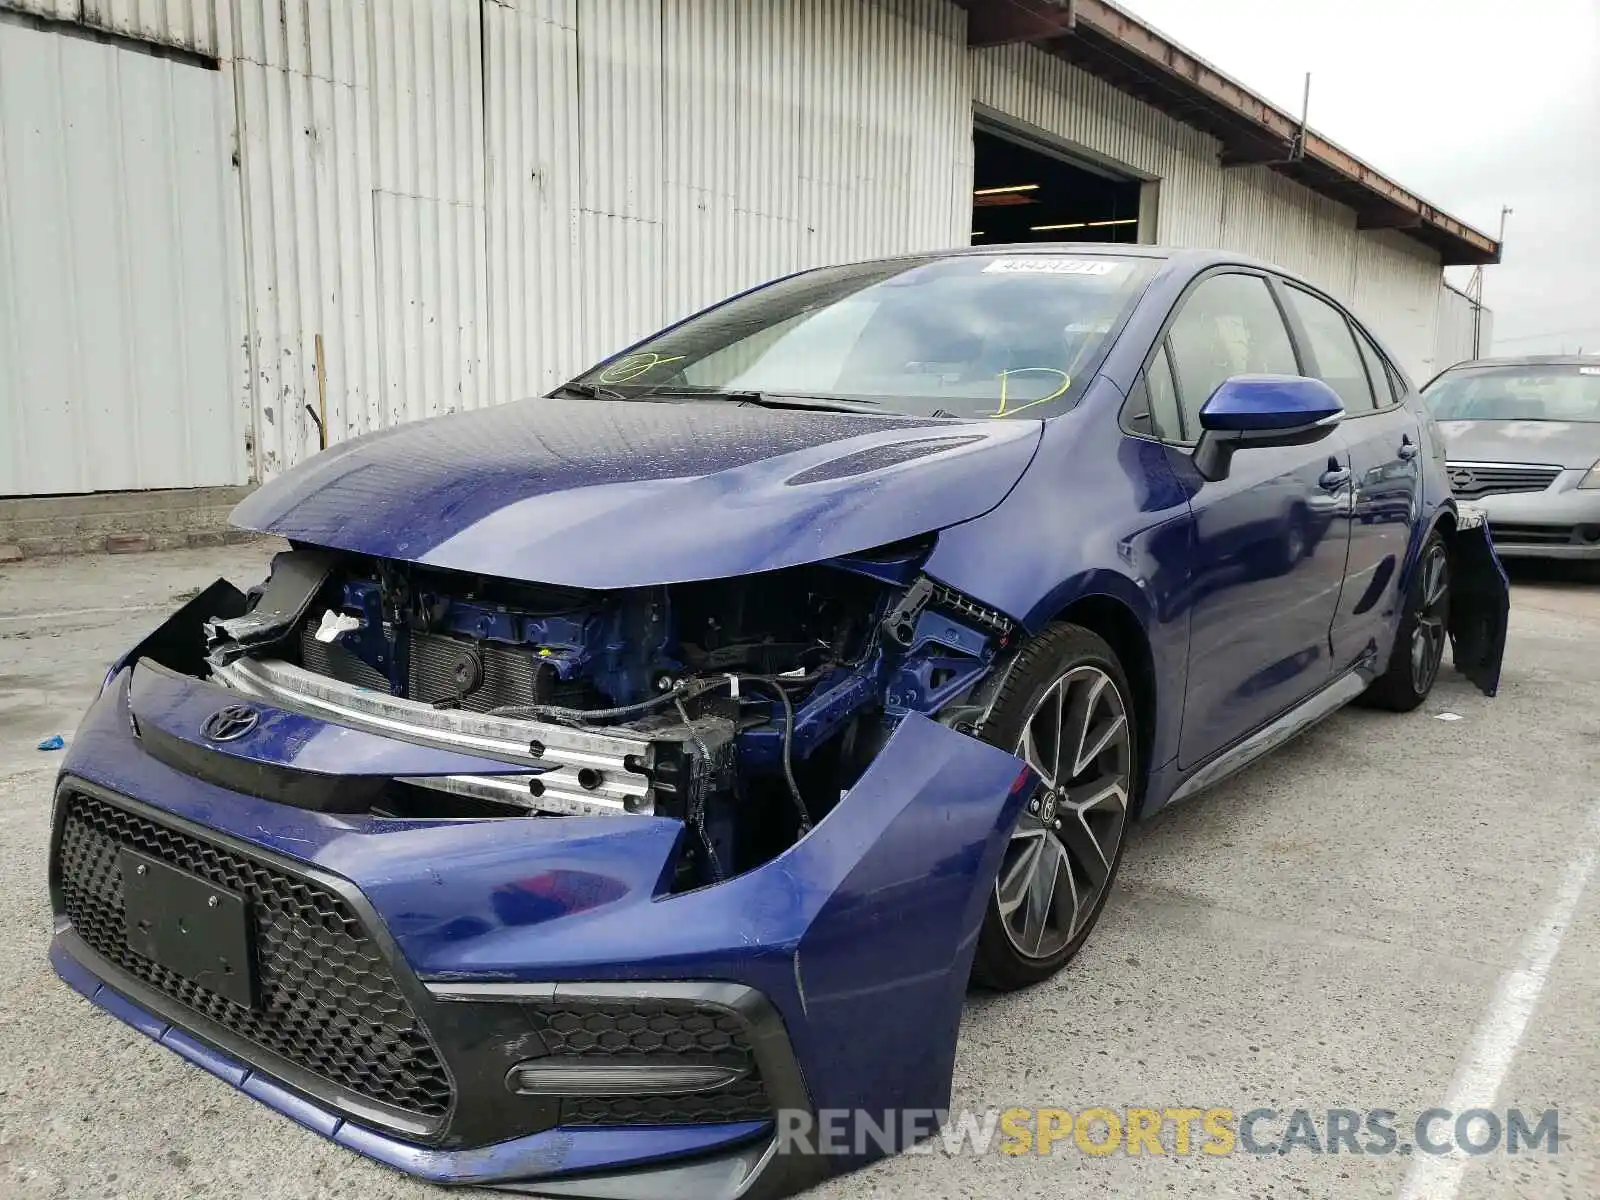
pixel 1269 540
pixel 1384 439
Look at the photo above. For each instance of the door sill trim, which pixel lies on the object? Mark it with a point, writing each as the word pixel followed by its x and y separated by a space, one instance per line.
pixel 1273 734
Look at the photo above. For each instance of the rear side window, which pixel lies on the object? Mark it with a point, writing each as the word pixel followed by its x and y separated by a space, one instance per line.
pixel 1229 325
pixel 1338 363
pixel 1377 371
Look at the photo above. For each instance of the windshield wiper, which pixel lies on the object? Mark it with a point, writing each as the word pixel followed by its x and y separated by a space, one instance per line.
pixel 801 400
pixel 589 391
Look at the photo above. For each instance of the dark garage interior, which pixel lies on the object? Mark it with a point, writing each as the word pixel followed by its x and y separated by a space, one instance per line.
pixel 1022 194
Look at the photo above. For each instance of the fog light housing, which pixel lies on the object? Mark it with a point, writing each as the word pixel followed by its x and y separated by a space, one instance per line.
pixel 566 1077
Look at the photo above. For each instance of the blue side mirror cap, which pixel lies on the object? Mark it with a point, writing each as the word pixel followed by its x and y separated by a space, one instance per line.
pixel 1270 403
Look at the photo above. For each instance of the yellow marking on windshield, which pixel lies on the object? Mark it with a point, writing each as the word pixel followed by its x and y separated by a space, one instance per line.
pixel 1004 411
pixel 635 365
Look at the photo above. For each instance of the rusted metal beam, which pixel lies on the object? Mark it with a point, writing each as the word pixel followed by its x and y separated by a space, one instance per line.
pixel 1001 22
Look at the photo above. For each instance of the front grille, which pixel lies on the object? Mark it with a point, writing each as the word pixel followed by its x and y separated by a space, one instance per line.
pixel 655 1029
pixel 1540 535
pixel 328 1001
pixel 1470 480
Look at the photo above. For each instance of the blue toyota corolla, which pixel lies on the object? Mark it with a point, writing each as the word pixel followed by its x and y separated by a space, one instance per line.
pixel 604 784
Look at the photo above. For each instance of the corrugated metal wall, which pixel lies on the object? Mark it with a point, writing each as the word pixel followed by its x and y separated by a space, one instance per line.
pixel 361 150
pixel 469 200
pixel 1391 281
pixel 186 24
pixel 117 332
pixel 648 157
pixel 470 203
pixel 1453 342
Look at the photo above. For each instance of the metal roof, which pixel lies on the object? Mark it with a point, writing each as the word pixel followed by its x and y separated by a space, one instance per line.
pixel 1108 42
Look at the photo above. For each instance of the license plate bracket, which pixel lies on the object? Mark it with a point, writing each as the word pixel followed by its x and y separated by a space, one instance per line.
pixel 190 926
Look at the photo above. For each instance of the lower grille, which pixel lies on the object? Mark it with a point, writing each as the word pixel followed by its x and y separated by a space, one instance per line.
pixel 1540 535
pixel 1470 480
pixel 328 1001
pixel 655 1029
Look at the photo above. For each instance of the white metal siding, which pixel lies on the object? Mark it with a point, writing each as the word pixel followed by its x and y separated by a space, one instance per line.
pixel 186 24
pixel 1453 341
pixel 648 157
pixel 115 231
pixel 190 24
pixel 361 152
pixel 469 200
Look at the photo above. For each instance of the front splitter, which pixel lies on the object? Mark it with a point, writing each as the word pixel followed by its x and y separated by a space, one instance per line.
pixel 707 1162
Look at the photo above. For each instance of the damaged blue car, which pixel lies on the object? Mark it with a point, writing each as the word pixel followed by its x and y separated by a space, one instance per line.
pixel 603 784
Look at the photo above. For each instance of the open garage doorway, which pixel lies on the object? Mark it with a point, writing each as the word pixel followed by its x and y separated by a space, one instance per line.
pixel 1023 193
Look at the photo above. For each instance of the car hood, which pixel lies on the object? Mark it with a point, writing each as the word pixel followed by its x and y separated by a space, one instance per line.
pixel 1572 444
pixel 607 494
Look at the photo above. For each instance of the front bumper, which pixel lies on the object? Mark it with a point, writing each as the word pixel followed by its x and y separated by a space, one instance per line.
pixel 1561 522
pixel 483 924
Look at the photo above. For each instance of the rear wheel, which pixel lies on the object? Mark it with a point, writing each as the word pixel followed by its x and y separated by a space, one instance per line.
pixel 1065 709
pixel 1424 631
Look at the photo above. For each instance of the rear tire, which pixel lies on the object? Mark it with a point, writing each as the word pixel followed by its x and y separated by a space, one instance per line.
pixel 1420 641
pixel 1066 708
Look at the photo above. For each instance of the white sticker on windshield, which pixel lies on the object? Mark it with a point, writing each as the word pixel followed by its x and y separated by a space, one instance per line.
pixel 1589 370
pixel 1052 265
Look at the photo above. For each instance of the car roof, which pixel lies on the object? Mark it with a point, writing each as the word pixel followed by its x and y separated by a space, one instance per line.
pixel 1176 254
pixel 1529 360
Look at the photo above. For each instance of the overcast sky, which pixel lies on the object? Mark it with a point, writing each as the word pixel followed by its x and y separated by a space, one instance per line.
pixel 1470 104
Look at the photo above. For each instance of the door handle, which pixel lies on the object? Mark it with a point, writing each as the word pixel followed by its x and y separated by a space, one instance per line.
pixel 1408 448
pixel 1335 478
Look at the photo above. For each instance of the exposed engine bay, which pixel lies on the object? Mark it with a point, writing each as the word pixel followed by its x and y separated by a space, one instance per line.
pixel 744 707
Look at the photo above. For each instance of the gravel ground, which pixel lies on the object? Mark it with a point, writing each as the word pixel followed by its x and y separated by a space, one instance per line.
pixel 1388 905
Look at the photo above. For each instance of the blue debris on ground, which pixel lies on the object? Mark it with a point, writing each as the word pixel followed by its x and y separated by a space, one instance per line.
pixel 53 742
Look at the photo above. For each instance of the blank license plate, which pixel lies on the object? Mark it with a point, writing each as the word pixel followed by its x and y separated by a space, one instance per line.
pixel 189 925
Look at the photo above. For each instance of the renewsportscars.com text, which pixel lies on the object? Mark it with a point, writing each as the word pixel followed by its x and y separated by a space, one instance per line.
pixel 1178 1130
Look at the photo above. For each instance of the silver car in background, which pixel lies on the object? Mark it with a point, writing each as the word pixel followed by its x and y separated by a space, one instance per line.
pixel 1522 441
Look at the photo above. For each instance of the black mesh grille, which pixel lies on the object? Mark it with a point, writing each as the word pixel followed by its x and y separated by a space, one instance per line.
pixel 328 1002
pixel 657 1030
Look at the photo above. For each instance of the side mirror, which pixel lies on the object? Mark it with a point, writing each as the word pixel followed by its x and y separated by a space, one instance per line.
pixel 1251 411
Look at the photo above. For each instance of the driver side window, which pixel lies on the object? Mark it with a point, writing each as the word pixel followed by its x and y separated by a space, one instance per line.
pixel 1228 325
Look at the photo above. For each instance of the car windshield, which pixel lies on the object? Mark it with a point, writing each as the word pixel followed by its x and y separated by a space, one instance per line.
pixel 966 336
pixel 1531 392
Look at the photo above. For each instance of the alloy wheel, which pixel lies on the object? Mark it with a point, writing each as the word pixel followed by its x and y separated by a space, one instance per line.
pixel 1059 859
pixel 1431 630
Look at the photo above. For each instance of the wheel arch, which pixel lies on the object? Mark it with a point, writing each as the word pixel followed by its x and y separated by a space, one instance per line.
pixel 1113 619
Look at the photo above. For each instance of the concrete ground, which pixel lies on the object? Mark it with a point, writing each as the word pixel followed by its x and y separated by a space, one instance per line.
pixel 1393 912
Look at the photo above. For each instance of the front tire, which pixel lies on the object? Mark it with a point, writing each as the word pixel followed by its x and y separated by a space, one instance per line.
pixel 1420 641
pixel 1065 707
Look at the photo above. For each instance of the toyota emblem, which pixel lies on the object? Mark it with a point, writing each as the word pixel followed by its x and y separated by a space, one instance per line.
pixel 1462 479
pixel 231 723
